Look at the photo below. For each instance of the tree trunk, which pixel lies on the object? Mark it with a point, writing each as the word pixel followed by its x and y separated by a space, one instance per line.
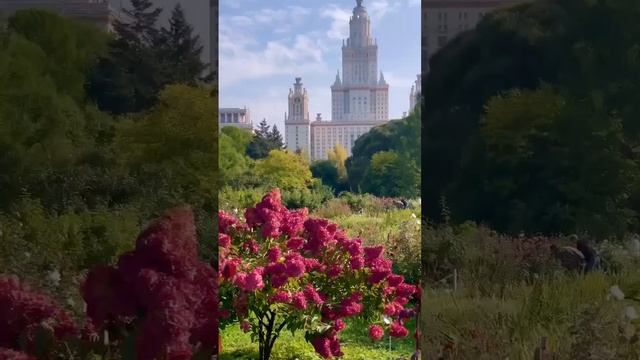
pixel 267 336
pixel 265 351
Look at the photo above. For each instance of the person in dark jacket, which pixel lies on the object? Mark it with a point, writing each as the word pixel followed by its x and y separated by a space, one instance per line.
pixel 592 260
pixel 570 258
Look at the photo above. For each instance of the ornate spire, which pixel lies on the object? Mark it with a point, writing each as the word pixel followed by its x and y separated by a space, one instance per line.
pixel 382 80
pixel 359 27
pixel 337 82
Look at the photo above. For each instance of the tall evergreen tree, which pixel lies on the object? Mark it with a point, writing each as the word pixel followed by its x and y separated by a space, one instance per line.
pixel 130 77
pixel 263 129
pixel 181 50
pixel 260 146
pixel 139 26
pixel 275 138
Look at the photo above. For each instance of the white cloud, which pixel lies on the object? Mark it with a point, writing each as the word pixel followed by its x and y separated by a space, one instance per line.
pixel 240 21
pixel 248 63
pixel 399 90
pixel 339 22
pixel 243 58
pixel 378 9
pixel 239 61
pixel 400 80
pixel 340 16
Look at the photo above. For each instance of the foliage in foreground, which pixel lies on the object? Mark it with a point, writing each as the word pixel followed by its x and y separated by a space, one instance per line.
pixel 577 315
pixel 356 345
pixel 160 301
pixel 282 270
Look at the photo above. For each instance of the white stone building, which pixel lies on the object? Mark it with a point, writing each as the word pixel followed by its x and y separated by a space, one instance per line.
pixel 238 117
pixel 443 20
pixel 416 93
pixel 359 100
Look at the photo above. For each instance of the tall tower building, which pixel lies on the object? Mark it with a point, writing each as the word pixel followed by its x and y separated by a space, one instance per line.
pixel 360 96
pixel 359 99
pixel 416 93
pixel 297 130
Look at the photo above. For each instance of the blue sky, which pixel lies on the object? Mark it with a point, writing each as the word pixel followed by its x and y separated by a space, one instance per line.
pixel 265 44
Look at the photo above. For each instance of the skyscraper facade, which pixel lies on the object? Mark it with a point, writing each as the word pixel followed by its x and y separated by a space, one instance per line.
pixel 359 98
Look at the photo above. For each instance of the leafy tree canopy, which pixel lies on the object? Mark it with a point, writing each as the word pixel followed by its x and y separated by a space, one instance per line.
pixel 495 162
pixel 285 170
pixel 400 137
pixel 175 143
pixel 265 139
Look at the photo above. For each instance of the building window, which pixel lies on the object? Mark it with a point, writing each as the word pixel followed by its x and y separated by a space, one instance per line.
pixel 442 41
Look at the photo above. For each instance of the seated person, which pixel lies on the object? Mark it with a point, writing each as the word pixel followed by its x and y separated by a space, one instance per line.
pixel 570 258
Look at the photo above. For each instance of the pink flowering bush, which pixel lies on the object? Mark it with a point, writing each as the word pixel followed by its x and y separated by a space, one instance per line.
pixel 280 269
pixel 28 320
pixel 160 295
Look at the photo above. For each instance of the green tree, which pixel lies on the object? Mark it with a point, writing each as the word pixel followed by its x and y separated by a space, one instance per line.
pixel 234 164
pixel 556 165
pixel 284 170
pixel 504 53
pixel 47 133
pixel 241 137
pixel 275 138
pixel 402 137
pixel 338 156
pixel 327 172
pixel 264 141
pixel 181 50
pixel 174 147
pixel 129 78
pixel 74 44
pixel 391 174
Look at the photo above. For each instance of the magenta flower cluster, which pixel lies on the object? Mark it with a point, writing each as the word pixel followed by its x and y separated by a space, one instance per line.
pixel 161 287
pixel 307 266
pixel 23 314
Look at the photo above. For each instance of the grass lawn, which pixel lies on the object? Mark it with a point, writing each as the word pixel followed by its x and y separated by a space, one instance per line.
pixel 356 345
pixel 576 314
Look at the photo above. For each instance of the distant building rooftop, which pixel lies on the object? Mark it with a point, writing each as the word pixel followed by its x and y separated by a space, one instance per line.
pixel 238 117
pixel 95 11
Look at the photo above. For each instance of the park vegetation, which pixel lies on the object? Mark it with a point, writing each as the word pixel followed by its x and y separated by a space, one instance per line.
pixel 362 195
pixel 531 125
pixel 99 135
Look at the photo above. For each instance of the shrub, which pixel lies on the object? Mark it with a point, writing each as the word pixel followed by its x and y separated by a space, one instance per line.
pixel 231 199
pixel 311 198
pixel 29 321
pixel 282 270
pixel 334 208
pixel 478 254
pixel 160 295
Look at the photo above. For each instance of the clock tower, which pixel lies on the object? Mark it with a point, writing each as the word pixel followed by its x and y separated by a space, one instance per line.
pixel 297 124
